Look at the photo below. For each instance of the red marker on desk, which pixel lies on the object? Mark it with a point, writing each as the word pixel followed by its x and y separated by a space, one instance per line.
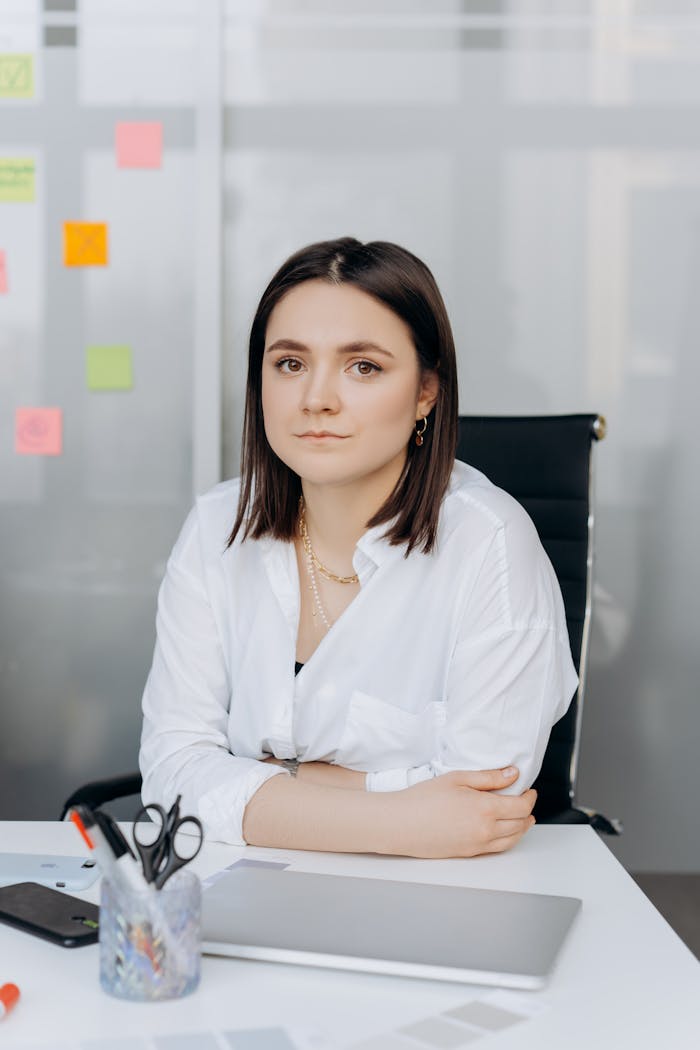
pixel 9 994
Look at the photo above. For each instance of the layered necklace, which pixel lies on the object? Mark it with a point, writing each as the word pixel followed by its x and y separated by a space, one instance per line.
pixel 313 565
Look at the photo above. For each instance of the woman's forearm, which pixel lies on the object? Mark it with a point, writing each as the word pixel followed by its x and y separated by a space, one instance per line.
pixel 328 775
pixel 459 814
pixel 291 813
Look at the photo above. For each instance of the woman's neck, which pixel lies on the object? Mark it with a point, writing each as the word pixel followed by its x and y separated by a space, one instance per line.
pixel 337 516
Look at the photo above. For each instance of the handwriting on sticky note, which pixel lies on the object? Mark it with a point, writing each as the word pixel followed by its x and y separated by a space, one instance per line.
pixel 139 144
pixel 17 176
pixel 85 243
pixel 3 273
pixel 16 76
pixel 39 431
pixel 109 368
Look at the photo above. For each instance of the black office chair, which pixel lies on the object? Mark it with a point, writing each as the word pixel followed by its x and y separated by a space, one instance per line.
pixel 545 463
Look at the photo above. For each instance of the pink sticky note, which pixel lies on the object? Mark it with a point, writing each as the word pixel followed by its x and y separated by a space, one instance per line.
pixel 39 431
pixel 139 145
pixel 3 273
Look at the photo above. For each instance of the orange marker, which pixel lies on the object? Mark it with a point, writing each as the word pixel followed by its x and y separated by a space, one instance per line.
pixel 9 994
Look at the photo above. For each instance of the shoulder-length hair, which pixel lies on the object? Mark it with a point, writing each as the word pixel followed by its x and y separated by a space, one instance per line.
pixel 270 490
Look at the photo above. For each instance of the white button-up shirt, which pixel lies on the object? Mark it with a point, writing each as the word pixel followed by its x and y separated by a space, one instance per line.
pixel 458 659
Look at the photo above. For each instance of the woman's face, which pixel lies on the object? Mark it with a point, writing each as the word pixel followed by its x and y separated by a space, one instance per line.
pixel 337 360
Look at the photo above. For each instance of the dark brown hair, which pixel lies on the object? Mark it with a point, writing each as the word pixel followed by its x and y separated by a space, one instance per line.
pixel 270 490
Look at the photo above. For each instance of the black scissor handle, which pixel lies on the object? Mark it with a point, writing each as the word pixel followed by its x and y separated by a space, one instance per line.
pixel 152 853
pixel 173 860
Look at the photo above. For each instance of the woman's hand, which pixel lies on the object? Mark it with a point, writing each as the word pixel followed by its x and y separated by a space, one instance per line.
pixel 459 815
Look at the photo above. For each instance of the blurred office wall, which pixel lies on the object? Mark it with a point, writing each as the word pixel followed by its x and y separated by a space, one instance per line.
pixel 84 535
pixel 542 157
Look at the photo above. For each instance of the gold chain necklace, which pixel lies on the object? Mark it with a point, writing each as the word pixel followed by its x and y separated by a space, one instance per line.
pixel 310 551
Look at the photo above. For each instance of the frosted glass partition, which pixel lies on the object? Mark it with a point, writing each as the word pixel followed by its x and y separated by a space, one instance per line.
pixel 543 159
pixel 84 535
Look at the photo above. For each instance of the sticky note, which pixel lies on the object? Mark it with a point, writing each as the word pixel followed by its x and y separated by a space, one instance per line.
pixel 85 243
pixel 39 431
pixel 3 273
pixel 16 76
pixel 139 144
pixel 109 368
pixel 16 179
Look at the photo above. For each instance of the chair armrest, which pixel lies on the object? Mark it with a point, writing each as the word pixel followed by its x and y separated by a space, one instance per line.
pixel 97 792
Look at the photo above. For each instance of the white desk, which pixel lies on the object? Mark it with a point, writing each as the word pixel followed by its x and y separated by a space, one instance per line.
pixel 624 979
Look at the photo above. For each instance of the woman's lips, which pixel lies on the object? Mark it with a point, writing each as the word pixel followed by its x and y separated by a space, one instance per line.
pixel 322 437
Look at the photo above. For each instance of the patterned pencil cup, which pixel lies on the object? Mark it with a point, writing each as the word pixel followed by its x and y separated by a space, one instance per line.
pixel 150 941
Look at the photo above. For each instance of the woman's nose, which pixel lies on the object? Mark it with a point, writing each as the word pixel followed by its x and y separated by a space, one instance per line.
pixel 320 391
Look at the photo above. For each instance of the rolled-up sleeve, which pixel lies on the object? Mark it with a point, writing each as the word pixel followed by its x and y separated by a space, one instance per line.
pixel 511 675
pixel 184 742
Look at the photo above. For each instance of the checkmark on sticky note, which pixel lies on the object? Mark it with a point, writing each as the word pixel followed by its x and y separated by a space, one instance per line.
pixel 109 368
pixel 85 243
pixel 17 179
pixel 16 76
pixel 39 431
pixel 139 144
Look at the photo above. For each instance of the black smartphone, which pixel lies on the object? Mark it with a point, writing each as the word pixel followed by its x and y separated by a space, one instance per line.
pixel 48 913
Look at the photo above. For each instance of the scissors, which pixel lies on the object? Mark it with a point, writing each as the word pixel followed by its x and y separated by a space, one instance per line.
pixel 160 856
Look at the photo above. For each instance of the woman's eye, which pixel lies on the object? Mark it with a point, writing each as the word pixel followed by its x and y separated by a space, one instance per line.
pixel 288 361
pixel 364 365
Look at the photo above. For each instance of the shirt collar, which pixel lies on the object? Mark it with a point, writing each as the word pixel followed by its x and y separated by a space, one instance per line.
pixel 373 546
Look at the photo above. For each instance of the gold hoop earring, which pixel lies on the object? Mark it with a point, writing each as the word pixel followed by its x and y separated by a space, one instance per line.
pixel 419 433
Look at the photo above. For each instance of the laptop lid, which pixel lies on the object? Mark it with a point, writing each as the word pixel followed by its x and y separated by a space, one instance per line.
pixel 413 929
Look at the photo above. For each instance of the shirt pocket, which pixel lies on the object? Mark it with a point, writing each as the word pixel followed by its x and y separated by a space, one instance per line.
pixel 378 735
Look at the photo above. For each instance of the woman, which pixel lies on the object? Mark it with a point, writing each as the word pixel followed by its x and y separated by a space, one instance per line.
pixel 371 656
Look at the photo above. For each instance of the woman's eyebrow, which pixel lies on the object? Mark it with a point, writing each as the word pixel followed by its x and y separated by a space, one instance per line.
pixel 359 347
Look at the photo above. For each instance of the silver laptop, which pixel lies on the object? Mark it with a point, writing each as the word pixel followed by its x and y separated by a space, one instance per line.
pixel 413 929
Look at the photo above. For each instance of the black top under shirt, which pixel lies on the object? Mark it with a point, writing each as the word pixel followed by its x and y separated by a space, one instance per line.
pixel 297 667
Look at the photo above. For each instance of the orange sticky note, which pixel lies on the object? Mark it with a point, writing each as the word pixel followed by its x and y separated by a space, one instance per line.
pixel 39 431
pixel 3 273
pixel 85 243
pixel 139 144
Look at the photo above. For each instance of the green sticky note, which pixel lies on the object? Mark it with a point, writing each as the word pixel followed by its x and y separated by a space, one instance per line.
pixel 16 179
pixel 16 76
pixel 109 368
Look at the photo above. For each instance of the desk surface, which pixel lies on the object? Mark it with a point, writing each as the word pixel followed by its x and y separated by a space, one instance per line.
pixel 623 979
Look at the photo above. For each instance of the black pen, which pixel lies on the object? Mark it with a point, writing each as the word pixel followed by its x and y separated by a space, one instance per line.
pixel 110 847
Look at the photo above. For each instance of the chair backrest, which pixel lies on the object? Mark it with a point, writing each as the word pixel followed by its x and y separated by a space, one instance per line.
pixel 545 463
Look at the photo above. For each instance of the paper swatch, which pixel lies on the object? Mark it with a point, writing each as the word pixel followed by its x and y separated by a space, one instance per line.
pixel 139 144
pixel 85 243
pixel 39 431
pixel 16 76
pixel 463 1025
pixel 109 368
pixel 16 179
pixel 3 273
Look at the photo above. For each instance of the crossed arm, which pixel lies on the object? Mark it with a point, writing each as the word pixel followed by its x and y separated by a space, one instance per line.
pixel 326 808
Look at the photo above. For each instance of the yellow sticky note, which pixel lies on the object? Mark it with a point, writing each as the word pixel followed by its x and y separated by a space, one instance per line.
pixel 16 179
pixel 85 243
pixel 16 76
pixel 109 368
